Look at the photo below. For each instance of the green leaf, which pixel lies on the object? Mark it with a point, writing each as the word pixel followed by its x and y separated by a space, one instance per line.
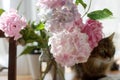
pixel 40 26
pixel 28 50
pixel 1 11
pixel 43 34
pixel 81 2
pixel 28 35
pixel 100 14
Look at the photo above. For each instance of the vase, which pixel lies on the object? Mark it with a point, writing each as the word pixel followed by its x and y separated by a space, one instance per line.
pixel 55 71
pixel 34 66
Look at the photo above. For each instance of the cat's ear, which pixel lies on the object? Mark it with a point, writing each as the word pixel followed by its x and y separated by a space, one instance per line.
pixel 111 36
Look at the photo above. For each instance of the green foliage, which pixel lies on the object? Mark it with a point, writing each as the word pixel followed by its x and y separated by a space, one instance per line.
pixel 28 50
pixel 100 14
pixel 1 11
pixel 81 2
pixel 29 36
pixel 40 26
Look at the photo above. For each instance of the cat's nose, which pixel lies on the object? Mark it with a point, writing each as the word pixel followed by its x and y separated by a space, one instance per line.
pixel 108 59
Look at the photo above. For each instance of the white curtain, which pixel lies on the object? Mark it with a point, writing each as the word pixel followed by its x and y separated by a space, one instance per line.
pixel 3 41
pixel 3 52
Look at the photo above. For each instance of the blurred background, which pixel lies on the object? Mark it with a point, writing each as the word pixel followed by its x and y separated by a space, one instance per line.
pixel 28 9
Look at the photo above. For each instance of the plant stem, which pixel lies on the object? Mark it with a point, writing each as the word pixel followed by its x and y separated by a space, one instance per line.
pixel 47 70
pixel 88 8
pixel 55 71
pixel 18 7
pixel 61 72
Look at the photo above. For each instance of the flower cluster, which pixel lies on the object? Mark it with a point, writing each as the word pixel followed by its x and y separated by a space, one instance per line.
pixel 11 24
pixel 93 29
pixel 72 40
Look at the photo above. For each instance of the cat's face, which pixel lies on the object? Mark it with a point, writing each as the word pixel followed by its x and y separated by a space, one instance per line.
pixel 105 48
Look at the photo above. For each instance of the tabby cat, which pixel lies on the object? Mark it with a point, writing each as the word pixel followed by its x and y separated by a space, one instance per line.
pixel 99 62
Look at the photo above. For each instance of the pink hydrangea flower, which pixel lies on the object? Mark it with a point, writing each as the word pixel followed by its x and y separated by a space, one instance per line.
pixel 49 8
pixel 93 29
pixel 63 19
pixel 11 24
pixel 51 3
pixel 70 48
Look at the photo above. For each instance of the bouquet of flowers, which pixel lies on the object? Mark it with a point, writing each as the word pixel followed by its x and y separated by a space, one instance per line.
pixel 72 40
pixel 61 30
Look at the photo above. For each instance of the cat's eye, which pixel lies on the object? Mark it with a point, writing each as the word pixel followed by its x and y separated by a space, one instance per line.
pixel 103 53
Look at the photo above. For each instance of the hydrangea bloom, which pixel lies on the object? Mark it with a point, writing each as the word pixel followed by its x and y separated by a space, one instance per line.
pixel 46 11
pixel 45 14
pixel 60 21
pixel 11 24
pixel 93 29
pixel 63 19
pixel 70 48
pixel 52 3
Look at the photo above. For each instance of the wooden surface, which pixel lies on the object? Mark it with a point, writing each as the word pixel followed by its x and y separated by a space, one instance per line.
pixel 18 78
pixel 1 34
pixel 68 76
